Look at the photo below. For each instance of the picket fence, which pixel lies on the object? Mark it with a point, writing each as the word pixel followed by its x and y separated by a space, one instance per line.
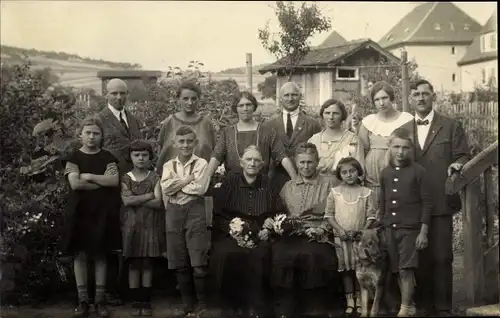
pixel 474 115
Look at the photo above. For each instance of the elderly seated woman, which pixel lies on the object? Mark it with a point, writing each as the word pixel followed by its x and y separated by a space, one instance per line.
pixel 240 272
pixel 305 265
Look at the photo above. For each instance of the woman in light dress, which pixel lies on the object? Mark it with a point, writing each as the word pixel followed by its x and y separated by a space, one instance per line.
pixel 334 142
pixel 374 132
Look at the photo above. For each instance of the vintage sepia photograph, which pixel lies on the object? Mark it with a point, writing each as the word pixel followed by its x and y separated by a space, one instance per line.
pixel 248 159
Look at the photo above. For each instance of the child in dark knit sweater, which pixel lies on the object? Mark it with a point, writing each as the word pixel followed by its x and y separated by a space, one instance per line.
pixel 405 211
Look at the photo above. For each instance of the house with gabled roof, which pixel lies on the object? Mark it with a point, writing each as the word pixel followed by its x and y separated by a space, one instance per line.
pixel 332 71
pixel 479 65
pixel 436 35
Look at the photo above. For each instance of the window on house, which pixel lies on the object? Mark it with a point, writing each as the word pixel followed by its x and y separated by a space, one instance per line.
pixel 437 26
pixel 453 77
pixel 483 75
pixel 493 41
pixel 347 74
pixel 452 50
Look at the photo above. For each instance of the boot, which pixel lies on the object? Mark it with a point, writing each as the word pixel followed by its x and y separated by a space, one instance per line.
pixel 200 285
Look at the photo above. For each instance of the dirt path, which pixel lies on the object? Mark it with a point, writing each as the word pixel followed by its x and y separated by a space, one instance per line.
pixel 168 307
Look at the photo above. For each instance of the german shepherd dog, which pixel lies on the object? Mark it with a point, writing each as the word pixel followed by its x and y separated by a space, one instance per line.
pixel 371 268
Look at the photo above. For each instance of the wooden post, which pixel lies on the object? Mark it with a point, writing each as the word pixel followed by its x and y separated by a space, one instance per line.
pixel 404 80
pixel 473 247
pixel 249 72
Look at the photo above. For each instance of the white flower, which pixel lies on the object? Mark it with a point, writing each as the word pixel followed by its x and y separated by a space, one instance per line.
pixel 221 170
pixel 236 225
pixel 278 220
pixel 217 185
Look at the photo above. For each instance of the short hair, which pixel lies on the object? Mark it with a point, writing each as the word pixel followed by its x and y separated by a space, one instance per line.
pixel 348 161
pixel 185 130
pixel 331 102
pixel 382 86
pixel 251 148
pixel 239 96
pixel 416 84
pixel 92 120
pixel 307 148
pixel 401 133
pixel 141 145
pixel 189 86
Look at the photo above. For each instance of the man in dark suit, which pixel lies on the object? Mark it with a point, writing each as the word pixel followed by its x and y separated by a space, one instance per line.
pixel 441 147
pixel 120 128
pixel 292 127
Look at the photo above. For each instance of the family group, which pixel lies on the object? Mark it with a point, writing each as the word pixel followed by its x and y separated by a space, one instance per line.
pixel 306 191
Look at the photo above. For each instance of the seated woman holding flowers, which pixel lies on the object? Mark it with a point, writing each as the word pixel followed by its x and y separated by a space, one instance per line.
pixel 240 255
pixel 303 262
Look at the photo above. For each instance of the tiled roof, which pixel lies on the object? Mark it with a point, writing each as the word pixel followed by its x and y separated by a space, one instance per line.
pixel 432 22
pixel 491 24
pixel 334 39
pixel 473 53
pixel 331 55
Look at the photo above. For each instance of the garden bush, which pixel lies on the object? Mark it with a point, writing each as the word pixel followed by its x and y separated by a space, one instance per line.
pixel 38 121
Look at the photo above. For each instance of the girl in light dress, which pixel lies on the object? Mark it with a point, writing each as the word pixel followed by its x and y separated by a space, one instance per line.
pixel 349 208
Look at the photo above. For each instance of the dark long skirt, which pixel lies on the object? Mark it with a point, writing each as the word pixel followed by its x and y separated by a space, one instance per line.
pixel 239 275
pixel 299 263
pixel 304 276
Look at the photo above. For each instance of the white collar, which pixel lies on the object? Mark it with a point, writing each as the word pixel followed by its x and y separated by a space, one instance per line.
pixel 429 116
pixel 292 114
pixel 193 157
pixel 115 111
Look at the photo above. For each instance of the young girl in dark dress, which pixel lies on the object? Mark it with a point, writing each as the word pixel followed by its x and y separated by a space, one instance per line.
pixel 94 201
pixel 144 224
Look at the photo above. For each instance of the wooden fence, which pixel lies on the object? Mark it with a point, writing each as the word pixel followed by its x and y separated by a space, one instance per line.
pixel 475 115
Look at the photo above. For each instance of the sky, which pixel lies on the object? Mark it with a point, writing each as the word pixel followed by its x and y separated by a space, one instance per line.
pixel 158 34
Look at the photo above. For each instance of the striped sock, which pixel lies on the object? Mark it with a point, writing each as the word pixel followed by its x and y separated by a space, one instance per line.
pixel 83 293
pixel 100 294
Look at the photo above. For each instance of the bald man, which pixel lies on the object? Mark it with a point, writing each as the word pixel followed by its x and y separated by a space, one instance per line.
pixel 292 128
pixel 120 128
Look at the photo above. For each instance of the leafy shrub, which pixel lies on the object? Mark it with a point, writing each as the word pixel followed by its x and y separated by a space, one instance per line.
pixel 36 129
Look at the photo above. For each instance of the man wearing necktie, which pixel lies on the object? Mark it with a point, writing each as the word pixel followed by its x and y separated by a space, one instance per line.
pixel 292 127
pixel 441 148
pixel 120 129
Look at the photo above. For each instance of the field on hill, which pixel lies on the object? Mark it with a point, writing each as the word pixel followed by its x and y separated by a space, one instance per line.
pixel 83 74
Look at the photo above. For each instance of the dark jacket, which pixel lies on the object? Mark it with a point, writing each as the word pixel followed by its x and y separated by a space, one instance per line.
pixel 446 143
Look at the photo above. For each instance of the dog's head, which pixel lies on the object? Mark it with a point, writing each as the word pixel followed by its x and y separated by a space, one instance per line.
pixel 368 246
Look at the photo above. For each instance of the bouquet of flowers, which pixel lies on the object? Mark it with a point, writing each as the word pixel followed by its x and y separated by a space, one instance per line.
pixel 283 224
pixel 241 231
pixel 301 226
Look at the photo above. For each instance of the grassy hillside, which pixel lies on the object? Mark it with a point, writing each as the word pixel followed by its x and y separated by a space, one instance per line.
pixel 15 53
pixel 242 70
pixel 82 72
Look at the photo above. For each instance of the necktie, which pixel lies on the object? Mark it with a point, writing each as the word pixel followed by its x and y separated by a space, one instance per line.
pixel 122 121
pixel 422 122
pixel 289 126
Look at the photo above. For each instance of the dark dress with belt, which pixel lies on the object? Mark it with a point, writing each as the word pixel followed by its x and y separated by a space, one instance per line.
pixel 92 216
pixel 241 275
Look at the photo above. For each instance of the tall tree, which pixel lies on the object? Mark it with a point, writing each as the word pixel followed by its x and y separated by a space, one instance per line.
pixel 297 25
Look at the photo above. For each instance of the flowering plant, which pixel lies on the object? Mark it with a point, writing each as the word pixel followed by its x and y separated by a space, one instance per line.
pixel 242 232
pixel 301 226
